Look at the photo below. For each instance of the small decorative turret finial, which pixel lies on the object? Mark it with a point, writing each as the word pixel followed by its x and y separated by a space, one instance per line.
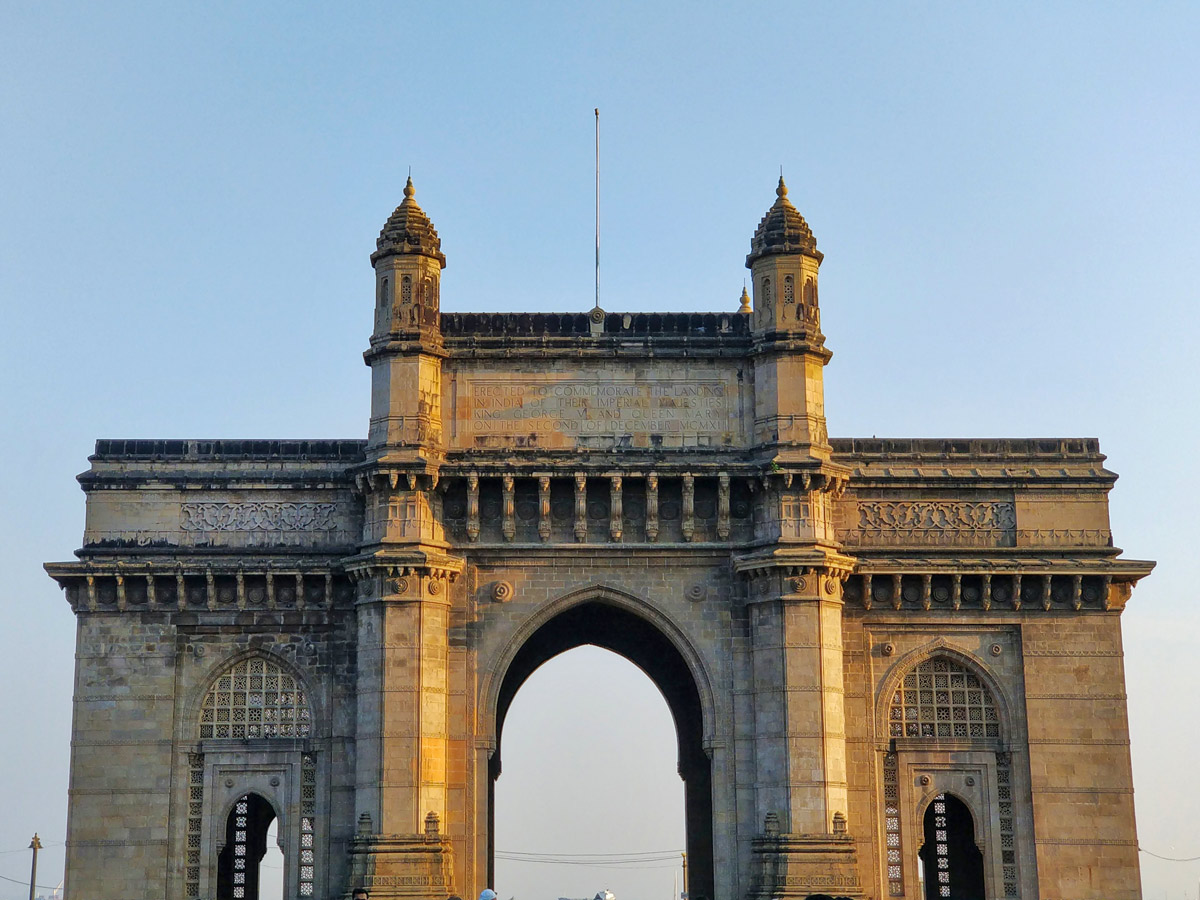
pixel 782 231
pixel 745 307
pixel 408 231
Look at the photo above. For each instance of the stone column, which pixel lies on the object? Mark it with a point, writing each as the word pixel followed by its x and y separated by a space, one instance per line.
pixel 689 507
pixel 652 507
pixel 616 515
pixel 473 506
pixel 402 738
pixel 723 506
pixel 509 526
pixel 800 743
pixel 580 507
pixel 544 507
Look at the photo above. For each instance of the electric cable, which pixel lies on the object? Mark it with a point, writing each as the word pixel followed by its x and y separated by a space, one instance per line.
pixel 44 887
pixel 1169 858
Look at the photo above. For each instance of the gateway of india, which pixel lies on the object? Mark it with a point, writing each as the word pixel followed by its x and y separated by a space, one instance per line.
pixel 894 665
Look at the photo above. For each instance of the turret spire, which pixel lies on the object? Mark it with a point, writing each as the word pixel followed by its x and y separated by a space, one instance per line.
pixel 409 231
pixel 782 230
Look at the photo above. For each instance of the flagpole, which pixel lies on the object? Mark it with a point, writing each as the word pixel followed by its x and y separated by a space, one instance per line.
pixel 597 207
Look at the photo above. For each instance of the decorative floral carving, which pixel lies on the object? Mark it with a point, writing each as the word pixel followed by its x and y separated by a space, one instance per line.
pixel 951 515
pixel 695 593
pixel 937 522
pixel 258 516
pixel 502 591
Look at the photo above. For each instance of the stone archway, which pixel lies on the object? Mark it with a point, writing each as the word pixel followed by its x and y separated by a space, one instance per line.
pixel 620 630
pixel 245 845
pixel 952 859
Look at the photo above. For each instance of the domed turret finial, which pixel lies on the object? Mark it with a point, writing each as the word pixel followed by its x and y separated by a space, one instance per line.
pixel 745 307
pixel 409 231
pixel 782 231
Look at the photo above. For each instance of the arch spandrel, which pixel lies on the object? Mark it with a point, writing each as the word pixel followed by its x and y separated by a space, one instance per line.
pixel 496 673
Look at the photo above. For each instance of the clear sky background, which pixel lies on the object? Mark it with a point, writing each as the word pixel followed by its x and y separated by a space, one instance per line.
pixel 1007 195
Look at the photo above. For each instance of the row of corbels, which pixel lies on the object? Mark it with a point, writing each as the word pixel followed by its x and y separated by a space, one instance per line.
pixel 124 577
pixel 820 481
pixel 1005 590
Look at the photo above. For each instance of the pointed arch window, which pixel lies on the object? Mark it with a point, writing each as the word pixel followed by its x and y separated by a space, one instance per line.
pixel 941 698
pixel 255 698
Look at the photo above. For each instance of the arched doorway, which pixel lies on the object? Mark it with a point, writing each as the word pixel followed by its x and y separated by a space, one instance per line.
pixel 952 861
pixel 245 845
pixel 623 632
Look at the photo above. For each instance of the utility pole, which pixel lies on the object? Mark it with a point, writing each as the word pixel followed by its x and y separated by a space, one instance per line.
pixel 35 845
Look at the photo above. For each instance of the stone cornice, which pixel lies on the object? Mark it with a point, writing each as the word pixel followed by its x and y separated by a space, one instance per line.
pixel 183 585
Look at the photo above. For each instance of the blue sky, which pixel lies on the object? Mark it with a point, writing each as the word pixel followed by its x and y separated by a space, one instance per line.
pixel 1007 196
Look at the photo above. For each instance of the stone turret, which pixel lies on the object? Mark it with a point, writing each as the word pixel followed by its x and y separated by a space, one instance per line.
pixel 405 577
pixel 406 340
pixel 790 405
pixel 784 260
pixel 408 265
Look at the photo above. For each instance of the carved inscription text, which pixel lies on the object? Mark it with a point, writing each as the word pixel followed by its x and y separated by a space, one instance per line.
pixel 581 408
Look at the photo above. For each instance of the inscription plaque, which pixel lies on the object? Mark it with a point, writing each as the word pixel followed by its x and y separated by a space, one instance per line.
pixel 674 412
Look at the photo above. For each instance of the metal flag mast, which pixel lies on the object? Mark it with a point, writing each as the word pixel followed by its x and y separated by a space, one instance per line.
pixel 597 110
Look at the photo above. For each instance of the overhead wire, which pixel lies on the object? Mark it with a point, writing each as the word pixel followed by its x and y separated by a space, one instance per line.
pixel 1169 858
pixel 649 859
pixel 43 887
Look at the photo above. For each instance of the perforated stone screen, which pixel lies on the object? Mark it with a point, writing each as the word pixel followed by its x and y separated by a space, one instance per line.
pixel 255 699
pixel 940 698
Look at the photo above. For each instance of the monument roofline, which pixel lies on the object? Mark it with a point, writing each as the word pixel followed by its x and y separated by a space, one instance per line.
pixel 969 448
pixel 349 450
pixel 1041 452
pixel 580 324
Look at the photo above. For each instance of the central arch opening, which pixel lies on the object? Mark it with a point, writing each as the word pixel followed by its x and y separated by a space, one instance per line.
pixel 246 831
pixel 610 627
pixel 952 862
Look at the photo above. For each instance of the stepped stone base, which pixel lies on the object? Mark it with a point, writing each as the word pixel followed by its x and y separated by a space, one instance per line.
pixel 412 866
pixel 803 865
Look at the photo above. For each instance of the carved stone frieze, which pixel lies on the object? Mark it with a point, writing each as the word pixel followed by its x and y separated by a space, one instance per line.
pixel 258 516
pixel 921 514
pixel 933 522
